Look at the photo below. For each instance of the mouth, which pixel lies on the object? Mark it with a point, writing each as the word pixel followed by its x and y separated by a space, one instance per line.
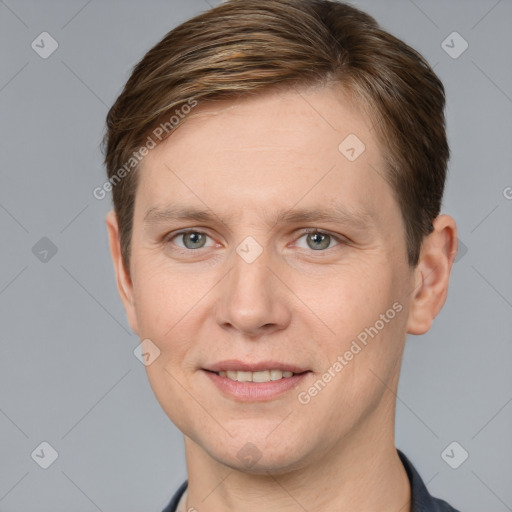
pixel 259 376
pixel 255 382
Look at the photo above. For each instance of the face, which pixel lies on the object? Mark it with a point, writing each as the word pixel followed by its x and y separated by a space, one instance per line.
pixel 297 263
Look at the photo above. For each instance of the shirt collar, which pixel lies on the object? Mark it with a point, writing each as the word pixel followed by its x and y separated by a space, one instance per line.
pixel 421 500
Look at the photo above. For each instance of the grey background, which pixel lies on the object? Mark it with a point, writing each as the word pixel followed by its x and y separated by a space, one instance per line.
pixel 68 375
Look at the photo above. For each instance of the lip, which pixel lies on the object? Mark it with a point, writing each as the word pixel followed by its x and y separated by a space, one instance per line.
pixel 235 364
pixel 255 391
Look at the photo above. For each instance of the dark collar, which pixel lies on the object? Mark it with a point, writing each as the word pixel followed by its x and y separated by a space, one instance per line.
pixel 422 501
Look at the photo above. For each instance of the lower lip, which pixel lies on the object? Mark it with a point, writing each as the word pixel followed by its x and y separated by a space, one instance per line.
pixel 255 391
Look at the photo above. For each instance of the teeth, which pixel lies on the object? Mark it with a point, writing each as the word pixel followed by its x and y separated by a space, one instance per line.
pixel 263 376
pixel 276 374
pixel 244 377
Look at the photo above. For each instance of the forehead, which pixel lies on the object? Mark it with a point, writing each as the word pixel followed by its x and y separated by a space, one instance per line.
pixel 308 146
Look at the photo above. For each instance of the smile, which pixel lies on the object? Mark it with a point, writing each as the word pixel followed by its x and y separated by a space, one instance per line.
pixel 258 386
pixel 261 376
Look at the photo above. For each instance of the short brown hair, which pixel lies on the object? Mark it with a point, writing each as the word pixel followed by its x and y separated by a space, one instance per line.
pixel 246 46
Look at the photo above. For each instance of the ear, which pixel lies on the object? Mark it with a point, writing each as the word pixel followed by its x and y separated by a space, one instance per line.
pixel 432 275
pixel 124 282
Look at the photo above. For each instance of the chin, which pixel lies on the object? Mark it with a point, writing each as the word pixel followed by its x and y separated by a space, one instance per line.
pixel 260 458
pixel 266 465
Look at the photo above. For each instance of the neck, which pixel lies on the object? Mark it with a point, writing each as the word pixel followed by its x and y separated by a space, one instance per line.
pixel 364 472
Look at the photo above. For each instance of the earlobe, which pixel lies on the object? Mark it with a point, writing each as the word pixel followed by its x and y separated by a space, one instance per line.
pixel 432 275
pixel 123 279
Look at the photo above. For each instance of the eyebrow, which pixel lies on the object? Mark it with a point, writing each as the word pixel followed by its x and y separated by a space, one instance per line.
pixel 360 219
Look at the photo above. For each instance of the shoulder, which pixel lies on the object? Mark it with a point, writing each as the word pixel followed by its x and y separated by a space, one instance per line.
pixel 173 504
pixel 422 500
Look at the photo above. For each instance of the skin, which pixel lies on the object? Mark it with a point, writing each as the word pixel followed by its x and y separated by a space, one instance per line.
pixel 295 304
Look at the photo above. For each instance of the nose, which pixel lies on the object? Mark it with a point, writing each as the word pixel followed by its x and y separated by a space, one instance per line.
pixel 252 300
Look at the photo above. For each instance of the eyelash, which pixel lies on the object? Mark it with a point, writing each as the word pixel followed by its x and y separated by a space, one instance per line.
pixel 306 231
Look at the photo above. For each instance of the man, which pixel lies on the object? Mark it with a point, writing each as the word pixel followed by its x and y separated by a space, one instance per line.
pixel 277 170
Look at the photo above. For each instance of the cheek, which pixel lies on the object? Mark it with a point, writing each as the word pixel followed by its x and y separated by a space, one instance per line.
pixel 164 303
pixel 171 309
pixel 360 366
pixel 161 298
pixel 364 316
pixel 349 299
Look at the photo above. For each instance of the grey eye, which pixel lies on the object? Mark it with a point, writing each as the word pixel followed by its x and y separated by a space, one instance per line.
pixel 193 239
pixel 318 241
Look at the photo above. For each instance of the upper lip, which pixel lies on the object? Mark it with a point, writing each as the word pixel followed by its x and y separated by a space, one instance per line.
pixel 234 364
